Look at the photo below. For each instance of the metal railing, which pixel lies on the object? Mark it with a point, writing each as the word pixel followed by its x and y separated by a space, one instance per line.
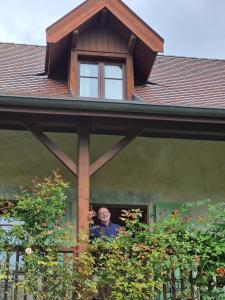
pixel 11 287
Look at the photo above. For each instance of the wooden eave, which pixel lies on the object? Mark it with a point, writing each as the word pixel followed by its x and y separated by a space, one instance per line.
pixel 112 118
pixel 89 8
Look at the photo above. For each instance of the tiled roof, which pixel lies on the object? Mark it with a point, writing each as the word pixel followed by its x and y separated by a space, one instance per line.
pixel 179 81
pixel 20 66
pixel 183 81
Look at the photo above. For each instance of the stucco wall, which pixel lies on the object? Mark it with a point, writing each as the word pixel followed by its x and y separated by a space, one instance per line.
pixel 179 170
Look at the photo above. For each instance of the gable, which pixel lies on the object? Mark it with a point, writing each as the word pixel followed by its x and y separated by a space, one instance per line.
pixel 107 26
pixel 90 8
pixel 101 39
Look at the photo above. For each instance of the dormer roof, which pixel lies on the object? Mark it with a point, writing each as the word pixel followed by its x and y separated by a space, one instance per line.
pixel 60 34
pixel 74 19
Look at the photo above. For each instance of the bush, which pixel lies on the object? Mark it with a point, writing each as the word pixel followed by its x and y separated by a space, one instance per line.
pixel 133 266
pixel 38 233
pixel 137 263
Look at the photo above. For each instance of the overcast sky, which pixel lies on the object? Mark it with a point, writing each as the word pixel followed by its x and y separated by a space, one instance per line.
pixel 189 27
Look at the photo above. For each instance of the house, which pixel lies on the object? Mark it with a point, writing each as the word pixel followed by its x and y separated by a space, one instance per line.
pixel 100 86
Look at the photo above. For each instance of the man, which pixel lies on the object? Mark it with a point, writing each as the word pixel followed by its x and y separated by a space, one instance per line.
pixel 105 227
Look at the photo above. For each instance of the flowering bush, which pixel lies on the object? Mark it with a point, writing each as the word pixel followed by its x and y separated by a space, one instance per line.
pixel 135 265
pixel 38 233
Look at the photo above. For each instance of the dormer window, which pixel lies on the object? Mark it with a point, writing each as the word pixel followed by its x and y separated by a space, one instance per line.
pixel 101 80
pixel 102 49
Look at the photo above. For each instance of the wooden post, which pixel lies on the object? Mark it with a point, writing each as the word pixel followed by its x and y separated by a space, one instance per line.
pixel 130 77
pixel 83 164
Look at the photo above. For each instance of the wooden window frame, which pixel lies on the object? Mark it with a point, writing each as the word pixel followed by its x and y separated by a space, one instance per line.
pixel 101 63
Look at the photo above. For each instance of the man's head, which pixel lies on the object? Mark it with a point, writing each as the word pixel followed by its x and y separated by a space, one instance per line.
pixel 104 216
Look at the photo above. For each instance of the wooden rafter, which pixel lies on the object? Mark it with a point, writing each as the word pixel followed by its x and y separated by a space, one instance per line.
pixel 116 149
pixel 53 148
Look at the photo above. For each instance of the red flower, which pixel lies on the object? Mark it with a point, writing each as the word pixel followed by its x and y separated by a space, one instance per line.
pixel 220 272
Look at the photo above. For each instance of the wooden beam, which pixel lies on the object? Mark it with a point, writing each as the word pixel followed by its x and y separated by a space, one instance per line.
pixel 131 44
pixel 103 17
pixel 116 149
pixel 53 148
pixel 83 163
pixel 130 77
pixel 73 73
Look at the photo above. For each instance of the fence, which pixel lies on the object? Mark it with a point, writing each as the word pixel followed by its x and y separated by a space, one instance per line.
pixel 10 285
pixel 10 288
pixel 176 287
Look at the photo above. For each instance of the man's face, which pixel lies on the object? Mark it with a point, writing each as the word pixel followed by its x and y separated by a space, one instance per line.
pixel 104 215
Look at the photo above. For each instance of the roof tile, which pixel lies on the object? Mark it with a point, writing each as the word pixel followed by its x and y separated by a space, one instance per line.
pixel 177 81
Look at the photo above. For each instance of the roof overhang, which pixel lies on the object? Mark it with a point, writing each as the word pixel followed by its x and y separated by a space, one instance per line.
pixel 112 117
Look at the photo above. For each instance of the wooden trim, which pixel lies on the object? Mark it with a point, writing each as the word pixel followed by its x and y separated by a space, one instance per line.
pixel 99 54
pixel 53 148
pixel 130 77
pixel 116 149
pixel 73 20
pixel 101 75
pixel 73 73
pixel 83 162
pixel 88 9
pixel 136 25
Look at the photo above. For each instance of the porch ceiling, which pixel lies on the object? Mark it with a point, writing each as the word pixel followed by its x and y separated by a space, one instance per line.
pixel 112 117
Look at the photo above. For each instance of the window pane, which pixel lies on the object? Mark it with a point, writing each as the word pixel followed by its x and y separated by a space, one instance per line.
pixel 89 70
pixel 88 87
pixel 113 72
pixel 113 89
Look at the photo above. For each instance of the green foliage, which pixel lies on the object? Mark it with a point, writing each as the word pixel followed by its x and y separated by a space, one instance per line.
pixel 137 263
pixel 38 233
pixel 133 266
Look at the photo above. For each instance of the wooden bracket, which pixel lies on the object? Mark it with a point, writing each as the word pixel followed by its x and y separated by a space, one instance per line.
pixel 116 149
pixel 53 148
pixel 74 39
pixel 132 43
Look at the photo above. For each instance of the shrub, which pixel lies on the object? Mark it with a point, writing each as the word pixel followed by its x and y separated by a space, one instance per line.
pixel 137 263
pixel 38 233
pixel 133 266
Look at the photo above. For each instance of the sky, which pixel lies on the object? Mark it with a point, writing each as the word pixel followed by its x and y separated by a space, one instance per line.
pixel 194 28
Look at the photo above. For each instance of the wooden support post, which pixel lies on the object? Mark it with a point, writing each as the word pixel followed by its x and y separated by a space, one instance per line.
pixel 83 163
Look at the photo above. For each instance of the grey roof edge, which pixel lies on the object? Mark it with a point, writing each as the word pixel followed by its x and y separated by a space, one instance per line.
pixel 87 104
